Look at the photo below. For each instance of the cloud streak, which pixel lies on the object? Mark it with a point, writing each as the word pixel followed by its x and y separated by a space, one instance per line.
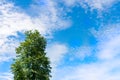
pixel 94 71
pixel 6 76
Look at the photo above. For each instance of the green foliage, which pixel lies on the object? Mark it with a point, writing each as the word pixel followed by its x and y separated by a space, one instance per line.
pixel 31 62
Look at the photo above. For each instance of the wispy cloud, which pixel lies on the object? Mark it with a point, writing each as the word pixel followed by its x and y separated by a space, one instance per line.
pixel 106 66
pixel 13 20
pixel 108 41
pixel 6 76
pixel 48 18
pixel 98 4
pixel 83 51
pixel 91 4
pixel 79 53
pixel 94 71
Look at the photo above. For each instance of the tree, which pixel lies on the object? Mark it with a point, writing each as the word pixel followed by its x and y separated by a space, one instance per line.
pixel 31 62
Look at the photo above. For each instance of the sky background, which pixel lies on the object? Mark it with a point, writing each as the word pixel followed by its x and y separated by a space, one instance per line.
pixel 83 36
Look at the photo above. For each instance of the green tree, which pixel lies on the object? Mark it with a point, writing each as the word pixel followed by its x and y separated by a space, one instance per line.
pixel 31 62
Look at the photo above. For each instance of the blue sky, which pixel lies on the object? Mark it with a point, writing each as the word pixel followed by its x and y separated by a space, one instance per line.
pixel 83 36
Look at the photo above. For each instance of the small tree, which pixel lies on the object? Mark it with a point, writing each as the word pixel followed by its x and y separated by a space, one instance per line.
pixel 31 62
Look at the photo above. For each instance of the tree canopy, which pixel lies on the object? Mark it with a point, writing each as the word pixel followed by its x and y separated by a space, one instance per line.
pixel 31 62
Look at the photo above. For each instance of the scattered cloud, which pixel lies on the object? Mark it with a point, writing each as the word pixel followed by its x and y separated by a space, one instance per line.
pixel 106 66
pixel 13 20
pixel 48 18
pixel 91 4
pixel 98 4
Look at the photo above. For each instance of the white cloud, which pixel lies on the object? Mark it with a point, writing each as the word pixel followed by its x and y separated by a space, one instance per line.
pixel 83 51
pixel 92 4
pixel 70 3
pixel 110 49
pixel 108 41
pixel 56 52
pixel 106 66
pixel 6 76
pixel 13 20
pixel 95 71
pixel 7 49
pixel 99 4
pixel 80 53
pixel 48 19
